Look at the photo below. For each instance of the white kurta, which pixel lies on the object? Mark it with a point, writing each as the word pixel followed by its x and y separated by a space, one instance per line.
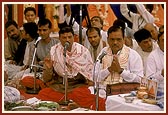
pixel 144 55
pixel 138 20
pixel 132 73
pixel 155 64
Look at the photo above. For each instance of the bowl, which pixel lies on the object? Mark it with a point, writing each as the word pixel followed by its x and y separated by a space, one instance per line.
pixel 22 108
pixel 129 99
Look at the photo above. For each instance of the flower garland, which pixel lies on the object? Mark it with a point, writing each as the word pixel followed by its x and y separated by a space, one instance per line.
pixel 155 10
pixel 103 16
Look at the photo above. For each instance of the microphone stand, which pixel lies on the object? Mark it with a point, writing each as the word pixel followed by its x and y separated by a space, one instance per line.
pixel 34 90
pixel 65 81
pixel 80 25
pixel 96 83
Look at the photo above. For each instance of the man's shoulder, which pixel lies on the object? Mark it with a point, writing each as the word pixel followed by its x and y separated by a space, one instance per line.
pixel 133 54
pixel 155 52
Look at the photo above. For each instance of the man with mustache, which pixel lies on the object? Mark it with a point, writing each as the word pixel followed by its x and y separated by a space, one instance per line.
pixel 121 64
pixel 14 44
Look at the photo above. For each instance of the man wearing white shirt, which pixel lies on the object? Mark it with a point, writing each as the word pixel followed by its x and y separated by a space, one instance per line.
pixel 138 19
pixel 155 65
pixel 121 64
pixel 95 39
pixel 145 44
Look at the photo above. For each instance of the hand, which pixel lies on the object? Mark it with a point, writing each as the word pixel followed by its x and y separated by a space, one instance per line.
pixel 24 67
pixel 68 8
pixel 48 62
pixel 115 66
pixel 12 62
pixel 41 63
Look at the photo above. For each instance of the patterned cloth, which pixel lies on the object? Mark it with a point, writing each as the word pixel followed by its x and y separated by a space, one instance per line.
pixel 123 60
pixel 79 60
pixel 11 94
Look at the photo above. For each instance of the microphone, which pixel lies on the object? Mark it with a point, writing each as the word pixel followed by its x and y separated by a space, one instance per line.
pixel 38 39
pixel 101 56
pixel 66 45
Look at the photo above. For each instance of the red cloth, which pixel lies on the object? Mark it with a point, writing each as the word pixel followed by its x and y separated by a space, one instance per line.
pixel 80 95
pixel 28 81
pixel 26 95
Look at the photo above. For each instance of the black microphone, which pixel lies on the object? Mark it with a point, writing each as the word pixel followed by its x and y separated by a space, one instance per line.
pixel 101 56
pixel 66 45
pixel 38 39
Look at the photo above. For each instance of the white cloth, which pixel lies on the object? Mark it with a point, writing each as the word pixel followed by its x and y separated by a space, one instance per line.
pixel 11 94
pixel 144 55
pixel 14 71
pixel 155 64
pixel 138 20
pixel 27 53
pixel 11 69
pixel 78 60
pixel 117 103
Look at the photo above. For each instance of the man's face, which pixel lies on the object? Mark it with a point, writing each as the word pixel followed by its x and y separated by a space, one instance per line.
pixel 67 37
pixel 94 38
pixel 13 32
pixel 44 31
pixel 153 31
pixel 128 42
pixel 115 41
pixel 30 16
pixel 146 45
pixel 95 22
pixel 25 35
pixel 161 42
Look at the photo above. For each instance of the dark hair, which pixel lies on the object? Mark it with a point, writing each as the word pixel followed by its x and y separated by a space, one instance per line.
pixel 90 29
pixel 31 29
pixel 66 30
pixel 29 9
pixel 119 22
pixel 114 29
pixel 44 21
pixel 11 22
pixel 142 34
